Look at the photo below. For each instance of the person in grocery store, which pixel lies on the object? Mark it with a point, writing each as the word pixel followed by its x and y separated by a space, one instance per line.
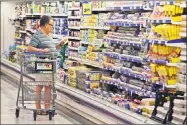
pixel 40 43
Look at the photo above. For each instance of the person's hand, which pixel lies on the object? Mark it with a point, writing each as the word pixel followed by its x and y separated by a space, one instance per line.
pixel 64 41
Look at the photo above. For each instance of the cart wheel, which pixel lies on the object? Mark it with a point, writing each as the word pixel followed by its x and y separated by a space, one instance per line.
pixel 17 113
pixel 50 115
pixel 54 113
pixel 34 115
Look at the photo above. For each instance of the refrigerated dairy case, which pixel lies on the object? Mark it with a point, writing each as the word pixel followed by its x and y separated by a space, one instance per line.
pixel 89 107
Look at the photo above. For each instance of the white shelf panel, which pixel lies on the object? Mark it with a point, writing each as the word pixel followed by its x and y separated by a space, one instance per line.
pixel 74 27
pixel 73 9
pixel 183 34
pixel 87 62
pixel 95 27
pixel 40 14
pixel 75 38
pixel 73 48
pixel 74 17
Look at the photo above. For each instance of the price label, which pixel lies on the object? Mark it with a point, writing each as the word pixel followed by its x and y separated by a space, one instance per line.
pixel 87 8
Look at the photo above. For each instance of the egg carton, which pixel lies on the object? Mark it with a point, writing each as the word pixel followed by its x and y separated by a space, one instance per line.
pixel 181 87
pixel 161 112
pixel 178 119
pixel 179 111
pixel 179 103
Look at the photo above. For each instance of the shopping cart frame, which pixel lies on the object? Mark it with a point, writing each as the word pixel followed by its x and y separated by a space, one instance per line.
pixel 38 56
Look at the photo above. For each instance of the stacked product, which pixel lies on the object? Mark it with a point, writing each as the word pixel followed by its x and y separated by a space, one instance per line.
pixel 60 26
pixel 95 21
pixel 164 54
pixel 72 77
pixel 87 80
pixel 136 19
pixel 98 4
pixel 74 5
pixel 179 111
pixel 47 8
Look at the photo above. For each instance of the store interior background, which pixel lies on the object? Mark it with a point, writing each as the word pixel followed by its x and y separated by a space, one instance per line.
pixel 7 29
pixel 8 38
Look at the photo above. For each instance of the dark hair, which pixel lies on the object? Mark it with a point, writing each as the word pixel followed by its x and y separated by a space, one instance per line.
pixel 45 20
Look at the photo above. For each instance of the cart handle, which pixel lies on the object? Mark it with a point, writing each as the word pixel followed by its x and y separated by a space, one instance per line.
pixel 36 53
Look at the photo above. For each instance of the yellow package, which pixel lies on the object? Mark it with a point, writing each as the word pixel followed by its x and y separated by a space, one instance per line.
pixel 170 32
pixel 177 10
pixel 178 31
pixel 94 85
pixel 169 10
pixel 72 70
pixel 172 82
pixel 173 10
pixel 181 10
pixel 175 60
pixel 166 34
pixel 162 71
pixel 153 67
pixel 72 84
pixel 165 10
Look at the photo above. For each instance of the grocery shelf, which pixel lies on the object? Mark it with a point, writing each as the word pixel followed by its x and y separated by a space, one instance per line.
pixel 83 42
pixel 21 31
pixel 155 21
pixel 157 61
pixel 183 58
pixel 75 38
pixel 95 27
pixel 40 14
pixel 87 62
pixel 127 7
pixel 124 57
pixel 74 9
pixel 183 34
pixel 100 9
pixel 126 71
pixel 182 4
pixel 17 38
pixel 182 23
pixel 74 17
pixel 125 24
pixel 74 27
pixel 31 30
pixel 130 88
pixel 123 42
pixel 165 42
pixel 73 48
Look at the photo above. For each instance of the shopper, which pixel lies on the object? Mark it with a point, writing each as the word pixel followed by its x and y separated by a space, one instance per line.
pixel 40 43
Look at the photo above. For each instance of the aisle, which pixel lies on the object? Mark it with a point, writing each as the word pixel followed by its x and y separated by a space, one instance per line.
pixel 8 101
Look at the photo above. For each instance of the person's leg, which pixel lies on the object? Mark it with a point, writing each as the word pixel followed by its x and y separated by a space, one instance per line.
pixel 38 95
pixel 47 96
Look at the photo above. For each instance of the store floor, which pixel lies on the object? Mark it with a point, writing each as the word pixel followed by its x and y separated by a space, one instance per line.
pixel 8 105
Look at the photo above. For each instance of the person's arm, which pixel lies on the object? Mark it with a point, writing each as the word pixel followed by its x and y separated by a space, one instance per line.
pixel 61 43
pixel 32 47
pixel 59 46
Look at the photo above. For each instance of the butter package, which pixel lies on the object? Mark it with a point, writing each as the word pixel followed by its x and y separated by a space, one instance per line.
pixel 72 70
pixel 72 84
pixel 89 75
pixel 87 85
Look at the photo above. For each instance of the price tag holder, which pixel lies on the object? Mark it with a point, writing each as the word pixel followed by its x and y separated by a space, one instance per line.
pixel 87 9
pixel 44 66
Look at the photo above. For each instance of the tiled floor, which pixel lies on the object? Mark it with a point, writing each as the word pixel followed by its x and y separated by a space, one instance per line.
pixel 8 105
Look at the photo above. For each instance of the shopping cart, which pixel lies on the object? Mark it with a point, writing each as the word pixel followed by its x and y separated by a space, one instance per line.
pixel 43 66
